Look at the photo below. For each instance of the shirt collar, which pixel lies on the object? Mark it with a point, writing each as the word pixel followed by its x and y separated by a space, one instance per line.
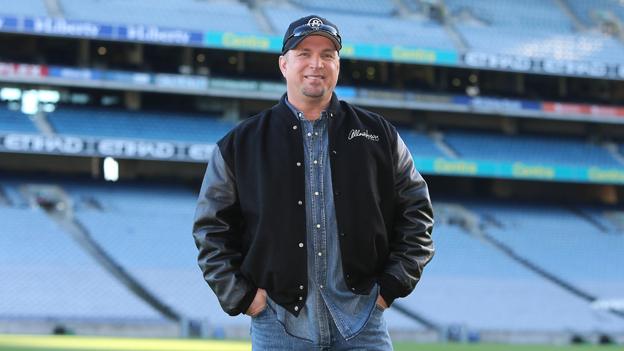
pixel 298 113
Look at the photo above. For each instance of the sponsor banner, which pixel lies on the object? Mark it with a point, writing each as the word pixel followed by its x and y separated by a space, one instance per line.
pixel 8 23
pixel 582 109
pixel 103 147
pixel 22 70
pixel 155 34
pixel 506 62
pixel 69 28
pixel 519 170
pixel 251 42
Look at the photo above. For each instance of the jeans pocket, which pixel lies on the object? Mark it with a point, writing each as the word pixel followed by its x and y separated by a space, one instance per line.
pixel 261 313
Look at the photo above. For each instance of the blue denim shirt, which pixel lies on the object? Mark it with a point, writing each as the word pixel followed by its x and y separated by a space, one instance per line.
pixel 328 294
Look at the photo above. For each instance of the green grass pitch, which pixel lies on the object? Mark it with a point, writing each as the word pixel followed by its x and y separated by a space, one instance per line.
pixel 83 343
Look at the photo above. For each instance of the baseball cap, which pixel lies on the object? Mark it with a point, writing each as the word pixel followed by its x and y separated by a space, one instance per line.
pixel 310 25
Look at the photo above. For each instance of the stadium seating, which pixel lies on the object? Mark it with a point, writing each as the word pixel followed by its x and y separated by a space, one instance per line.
pixel 470 283
pixel 535 149
pixel 138 125
pixel 369 29
pixel 207 15
pixel 588 10
pixel 24 8
pixel 536 29
pixel 147 229
pixel 420 144
pixel 15 121
pixel 48 275
pixel 367 7
pixel 561 242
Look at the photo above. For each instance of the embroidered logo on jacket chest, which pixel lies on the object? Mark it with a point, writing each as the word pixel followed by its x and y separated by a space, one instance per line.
pixel 355 133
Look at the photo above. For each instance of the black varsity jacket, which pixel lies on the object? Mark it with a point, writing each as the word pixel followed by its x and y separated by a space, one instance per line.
pixel 250 213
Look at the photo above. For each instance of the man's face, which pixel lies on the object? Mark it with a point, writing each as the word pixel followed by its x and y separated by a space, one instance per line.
pixel 311 69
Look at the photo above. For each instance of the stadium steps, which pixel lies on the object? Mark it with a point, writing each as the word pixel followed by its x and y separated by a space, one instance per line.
pixel 57 205
pixel 614 151
pixel 54 8
pixel 40 121
pixel 565 8
pixel 446 149
pixel 480 232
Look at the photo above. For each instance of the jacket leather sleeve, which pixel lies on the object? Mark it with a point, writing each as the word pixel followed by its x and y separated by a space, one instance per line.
pixel 411 246
pixel 217 231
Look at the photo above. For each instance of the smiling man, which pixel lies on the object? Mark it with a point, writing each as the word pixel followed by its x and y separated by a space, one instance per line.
pixel 311 218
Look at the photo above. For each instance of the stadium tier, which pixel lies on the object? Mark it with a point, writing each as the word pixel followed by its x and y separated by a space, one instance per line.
pixel 15 121
pixel 46 274
pixel 534 149
pixel 98 122
pixel 537 29
pixel 561 242
pixel 376 29
pixel 181 14
pixel 145 229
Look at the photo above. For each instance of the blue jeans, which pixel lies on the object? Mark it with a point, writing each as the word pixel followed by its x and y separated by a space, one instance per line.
pixel 268 334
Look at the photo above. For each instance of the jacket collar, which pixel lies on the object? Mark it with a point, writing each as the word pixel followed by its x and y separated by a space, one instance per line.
pixel 334 109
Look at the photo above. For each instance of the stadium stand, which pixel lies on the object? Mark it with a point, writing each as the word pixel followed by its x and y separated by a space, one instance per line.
pixel 15 121
pixel 420 144
pixel 366 7
pixel 539 149
pixel 373 29
pixel 561 242
pixel 186 14
pixel 590 12
pixel 98 122
pixel 25 8
pixel 472 284
pixel 536 29
pixel 144 228
pixel 52 277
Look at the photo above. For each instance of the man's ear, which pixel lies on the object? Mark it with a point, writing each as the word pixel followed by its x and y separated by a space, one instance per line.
pixel 282 64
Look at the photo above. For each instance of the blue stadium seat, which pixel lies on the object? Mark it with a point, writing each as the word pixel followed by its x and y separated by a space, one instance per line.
pixel 470 283
pixel 535 149
pixel 561 242
pixel 207 15
pixel 33 8
pixel 367 7
pixel 369 29
pixel 535 28
pixel 45 274
pixel 101 122
pixel 588 11
pixel 15 121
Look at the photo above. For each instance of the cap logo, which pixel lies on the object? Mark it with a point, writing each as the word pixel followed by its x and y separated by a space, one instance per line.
pixel 315 22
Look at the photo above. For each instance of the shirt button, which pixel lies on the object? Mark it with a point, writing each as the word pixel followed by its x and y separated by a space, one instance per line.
pixel 352 289
pixel 334 152
pixel 331 114
pixel 300 298
pixel 321 286
pixel 294 127
pixel 300 287
pixel 296 308
pixel 298 164
pixel 299 202
pixel 315 133
pixel 342 234
pixel 318 225
pixel 316 193
pixel 320 254
pixel 300 244
pixel 309 134
pixel 315 161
